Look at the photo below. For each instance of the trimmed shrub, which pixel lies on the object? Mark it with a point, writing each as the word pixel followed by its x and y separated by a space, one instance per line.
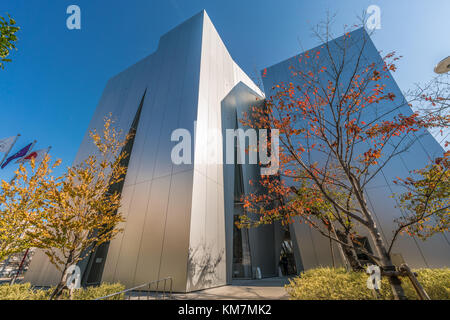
pixel 21 292
pixel 436 282
pixel 338 284
pixel 91 293
pixel 26 292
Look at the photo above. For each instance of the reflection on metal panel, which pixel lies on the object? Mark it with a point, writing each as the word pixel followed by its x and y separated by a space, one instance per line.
pixel 246 250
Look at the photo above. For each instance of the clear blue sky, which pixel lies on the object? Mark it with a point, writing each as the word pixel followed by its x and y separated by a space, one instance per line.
pixel 51 89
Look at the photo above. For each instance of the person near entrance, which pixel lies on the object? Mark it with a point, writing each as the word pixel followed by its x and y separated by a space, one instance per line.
pixel 284 265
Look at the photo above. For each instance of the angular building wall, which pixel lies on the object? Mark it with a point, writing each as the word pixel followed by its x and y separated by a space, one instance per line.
pixel 263 243
pixel 218 75
pixel 175 218
pixel 314 248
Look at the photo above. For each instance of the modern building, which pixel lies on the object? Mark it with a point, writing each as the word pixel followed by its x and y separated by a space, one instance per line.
pixel 180 217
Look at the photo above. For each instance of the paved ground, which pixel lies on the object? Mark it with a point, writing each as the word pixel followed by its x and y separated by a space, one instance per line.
pixel 264 289
pixel 270 288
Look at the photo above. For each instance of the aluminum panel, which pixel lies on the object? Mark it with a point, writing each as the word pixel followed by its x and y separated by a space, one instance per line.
pixel 115 245
pixel 150 248
pixel 176 235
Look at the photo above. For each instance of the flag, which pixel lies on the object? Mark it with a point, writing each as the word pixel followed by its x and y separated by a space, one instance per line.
pixel 19 154
pixel 6 143
pixel 37 155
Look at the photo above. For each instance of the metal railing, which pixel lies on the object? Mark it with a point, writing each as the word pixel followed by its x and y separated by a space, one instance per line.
pixel 147 288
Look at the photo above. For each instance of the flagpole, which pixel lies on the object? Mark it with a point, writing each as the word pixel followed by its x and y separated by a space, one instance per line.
pixel 20 267
pixel 10 147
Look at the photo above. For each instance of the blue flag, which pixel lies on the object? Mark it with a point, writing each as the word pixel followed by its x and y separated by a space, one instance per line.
pixel 19 154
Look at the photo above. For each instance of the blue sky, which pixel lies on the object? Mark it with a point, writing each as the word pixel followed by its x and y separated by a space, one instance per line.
pixel 51 89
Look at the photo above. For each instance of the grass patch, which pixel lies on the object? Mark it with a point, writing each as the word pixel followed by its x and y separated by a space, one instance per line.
pixel 26 292
pixel 338 284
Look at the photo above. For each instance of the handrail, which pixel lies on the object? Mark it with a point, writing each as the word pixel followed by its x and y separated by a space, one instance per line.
pixel 148 285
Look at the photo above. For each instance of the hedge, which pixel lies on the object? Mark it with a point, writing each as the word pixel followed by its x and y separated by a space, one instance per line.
pixel 338 284
pixel 26 292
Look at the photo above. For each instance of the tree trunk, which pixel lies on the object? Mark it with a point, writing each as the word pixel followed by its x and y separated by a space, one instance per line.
pixel 349 251
pixel 60 286
pixel 331 248
pixel 345 259
pixel 353 257
pixel 380 246
pixel 386 263
pixel 56 294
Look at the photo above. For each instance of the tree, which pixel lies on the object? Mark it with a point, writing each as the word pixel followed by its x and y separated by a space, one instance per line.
pixel 84 205
pixel 432 101
pixel 426 202
pixel 330 222
pixel 279 202
pixel 339 126
pixel 8 38
pixel 23 204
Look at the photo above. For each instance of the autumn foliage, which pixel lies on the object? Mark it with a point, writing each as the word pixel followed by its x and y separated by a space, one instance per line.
pixel 340 124
pixel 68 216
pixel 23 204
